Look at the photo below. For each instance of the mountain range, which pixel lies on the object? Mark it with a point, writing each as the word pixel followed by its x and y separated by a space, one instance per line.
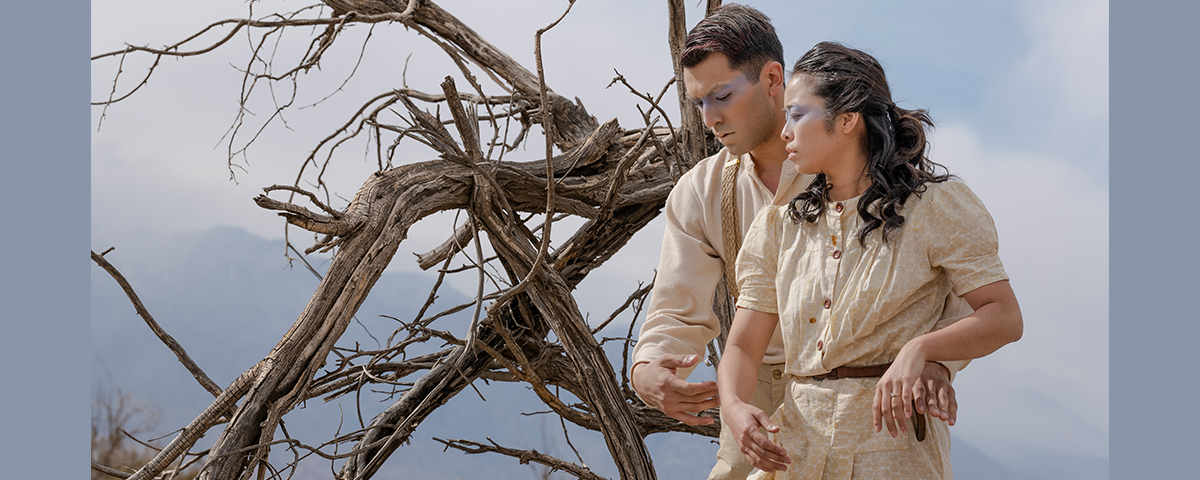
pixel 228 296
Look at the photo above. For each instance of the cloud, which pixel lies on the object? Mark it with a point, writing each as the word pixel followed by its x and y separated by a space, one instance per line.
pixel 1069 52
pixel 1055 99
pixel 1036 152
pixel 1052 218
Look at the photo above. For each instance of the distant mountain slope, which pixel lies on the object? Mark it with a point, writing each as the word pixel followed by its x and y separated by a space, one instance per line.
pixel 228 297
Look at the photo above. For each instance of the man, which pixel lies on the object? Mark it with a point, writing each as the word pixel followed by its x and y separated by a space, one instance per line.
pixel 733 72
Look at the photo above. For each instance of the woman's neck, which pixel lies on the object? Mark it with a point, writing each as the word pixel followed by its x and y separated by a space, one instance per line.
pixel 839 193
pixel 849 181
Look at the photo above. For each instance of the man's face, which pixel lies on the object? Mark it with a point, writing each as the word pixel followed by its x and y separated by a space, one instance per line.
pixel 737 109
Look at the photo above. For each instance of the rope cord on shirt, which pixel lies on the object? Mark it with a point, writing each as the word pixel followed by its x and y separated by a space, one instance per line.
pixel 731 228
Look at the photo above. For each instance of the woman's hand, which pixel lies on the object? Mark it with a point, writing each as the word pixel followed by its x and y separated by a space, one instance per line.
pixel 895 390
pixel 748 339
pixel 744 421
pixel 995 322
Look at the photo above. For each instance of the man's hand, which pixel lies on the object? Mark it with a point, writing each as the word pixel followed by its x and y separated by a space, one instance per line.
pixel 657 384
pixel 933 393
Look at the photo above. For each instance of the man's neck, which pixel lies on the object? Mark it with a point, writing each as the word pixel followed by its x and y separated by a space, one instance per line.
pixel 768 161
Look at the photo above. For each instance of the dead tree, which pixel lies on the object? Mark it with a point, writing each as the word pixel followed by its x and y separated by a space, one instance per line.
pixel 614 177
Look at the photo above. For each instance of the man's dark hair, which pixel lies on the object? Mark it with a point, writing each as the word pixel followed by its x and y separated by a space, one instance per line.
pixel 743 34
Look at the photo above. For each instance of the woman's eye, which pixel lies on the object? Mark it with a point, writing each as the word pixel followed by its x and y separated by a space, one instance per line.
pixel 724 97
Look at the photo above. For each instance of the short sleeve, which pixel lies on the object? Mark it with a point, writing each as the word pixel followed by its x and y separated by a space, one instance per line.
pixel 758 261
pixel 960 237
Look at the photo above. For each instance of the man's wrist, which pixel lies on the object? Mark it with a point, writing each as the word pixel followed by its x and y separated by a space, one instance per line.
pixel 633 373
pixel 944 369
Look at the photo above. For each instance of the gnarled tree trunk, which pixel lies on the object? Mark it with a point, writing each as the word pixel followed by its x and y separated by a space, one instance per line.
pixel 618 179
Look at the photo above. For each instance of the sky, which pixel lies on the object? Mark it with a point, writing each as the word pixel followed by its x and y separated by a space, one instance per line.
pixel 1018 90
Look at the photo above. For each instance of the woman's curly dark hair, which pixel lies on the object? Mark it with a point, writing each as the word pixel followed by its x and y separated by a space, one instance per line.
pixel 850 80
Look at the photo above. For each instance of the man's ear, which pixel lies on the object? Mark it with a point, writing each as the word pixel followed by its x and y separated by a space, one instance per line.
pixel 772 73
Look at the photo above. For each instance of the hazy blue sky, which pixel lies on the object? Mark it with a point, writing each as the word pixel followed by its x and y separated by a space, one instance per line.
pixel 1019 90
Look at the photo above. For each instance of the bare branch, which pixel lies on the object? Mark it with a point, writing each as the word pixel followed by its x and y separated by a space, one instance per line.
pixel 525 456
pixel 238 23
pixel 692 126
pixel 654 105
pixel 711 5
pixel 313 198
pixel 166 338
pixel 448 248
pixel 220 407
pixel 638 295
pixel 109 471
pixel 313 222
pixel 612 177
pixel 549 124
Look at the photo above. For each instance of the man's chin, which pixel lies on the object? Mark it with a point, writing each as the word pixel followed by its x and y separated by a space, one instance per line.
pixel 736 150
pixel 733 147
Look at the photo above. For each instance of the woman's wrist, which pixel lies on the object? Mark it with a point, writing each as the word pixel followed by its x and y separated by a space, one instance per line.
pixel 917 348
pixel 729 402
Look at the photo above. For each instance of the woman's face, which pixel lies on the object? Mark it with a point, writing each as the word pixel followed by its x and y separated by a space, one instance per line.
pixel 811 145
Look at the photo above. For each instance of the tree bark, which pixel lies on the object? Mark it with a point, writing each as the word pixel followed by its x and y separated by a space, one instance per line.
pixel 618 184
pixel 692 126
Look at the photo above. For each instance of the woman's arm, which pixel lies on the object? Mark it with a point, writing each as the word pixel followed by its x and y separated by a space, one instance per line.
pixel 995 323
pixel 736 380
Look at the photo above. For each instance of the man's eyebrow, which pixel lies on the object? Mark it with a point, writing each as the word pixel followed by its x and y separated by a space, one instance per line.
pixel 709 92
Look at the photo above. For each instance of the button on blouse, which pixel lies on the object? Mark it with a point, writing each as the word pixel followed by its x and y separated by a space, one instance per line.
pixel 867 300
pixel 856 304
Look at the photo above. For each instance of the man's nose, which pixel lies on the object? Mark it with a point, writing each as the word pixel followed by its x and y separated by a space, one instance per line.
pixel 711 115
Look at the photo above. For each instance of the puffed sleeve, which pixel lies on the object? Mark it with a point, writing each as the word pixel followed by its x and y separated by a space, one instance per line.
pixel 758 261
pixel 961 237
pixel 680 319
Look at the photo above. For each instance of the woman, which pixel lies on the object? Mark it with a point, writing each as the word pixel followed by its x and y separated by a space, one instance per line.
pixel 857 268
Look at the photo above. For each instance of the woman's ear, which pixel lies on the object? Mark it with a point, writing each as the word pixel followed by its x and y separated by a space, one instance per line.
pixel 846 122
